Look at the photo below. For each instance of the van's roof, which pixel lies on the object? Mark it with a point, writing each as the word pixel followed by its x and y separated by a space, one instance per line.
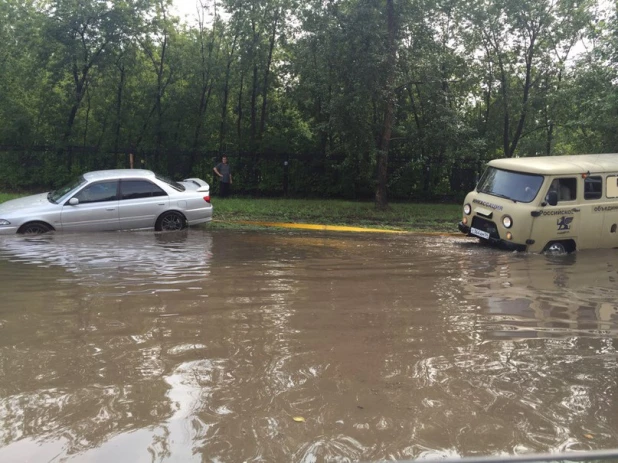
pixel 560 165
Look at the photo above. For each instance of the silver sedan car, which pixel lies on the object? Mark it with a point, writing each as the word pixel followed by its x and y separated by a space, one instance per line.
pixel 117 199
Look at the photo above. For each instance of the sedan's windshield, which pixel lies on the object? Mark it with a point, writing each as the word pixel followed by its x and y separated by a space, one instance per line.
pixel 55 195
pixel 516 186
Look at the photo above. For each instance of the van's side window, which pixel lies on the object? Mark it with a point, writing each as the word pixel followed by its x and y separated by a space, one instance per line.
pixel 565 187
pixel 611 188
pixel 593 187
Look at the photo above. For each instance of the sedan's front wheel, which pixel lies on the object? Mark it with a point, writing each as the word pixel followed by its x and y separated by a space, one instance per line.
pixel 171 221
pixel 34 228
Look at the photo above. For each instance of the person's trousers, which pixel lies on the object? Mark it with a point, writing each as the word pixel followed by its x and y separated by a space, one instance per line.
pixel 224 189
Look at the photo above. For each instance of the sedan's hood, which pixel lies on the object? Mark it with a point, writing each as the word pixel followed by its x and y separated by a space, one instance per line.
pixel 27 202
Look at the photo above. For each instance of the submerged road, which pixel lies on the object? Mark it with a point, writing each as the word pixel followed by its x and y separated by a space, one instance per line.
pixel 296 345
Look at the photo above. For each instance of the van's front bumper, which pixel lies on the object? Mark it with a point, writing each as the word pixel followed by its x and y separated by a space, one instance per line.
pixel 498 242
pixel 463 228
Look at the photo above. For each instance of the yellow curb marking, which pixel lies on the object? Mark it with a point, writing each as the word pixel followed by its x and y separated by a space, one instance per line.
pixel 308 226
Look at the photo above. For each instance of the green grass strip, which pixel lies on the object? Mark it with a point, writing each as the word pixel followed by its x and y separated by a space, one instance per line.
pixel 236 212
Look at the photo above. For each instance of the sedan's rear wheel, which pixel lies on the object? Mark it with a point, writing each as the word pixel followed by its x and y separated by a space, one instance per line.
pixel 171 221
pixel 34 228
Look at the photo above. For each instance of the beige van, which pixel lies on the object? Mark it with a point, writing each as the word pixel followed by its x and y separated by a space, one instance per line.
pixel 550 203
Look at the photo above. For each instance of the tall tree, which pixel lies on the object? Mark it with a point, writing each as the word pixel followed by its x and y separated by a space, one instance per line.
pixel 208 49
pixel 389 107
pixel 519 38
pixel 230 50
pixel 83 32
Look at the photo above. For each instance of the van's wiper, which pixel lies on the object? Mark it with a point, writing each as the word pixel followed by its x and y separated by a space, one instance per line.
pixel 503 196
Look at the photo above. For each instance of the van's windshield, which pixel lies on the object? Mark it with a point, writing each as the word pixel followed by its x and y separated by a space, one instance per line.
pixel 516 186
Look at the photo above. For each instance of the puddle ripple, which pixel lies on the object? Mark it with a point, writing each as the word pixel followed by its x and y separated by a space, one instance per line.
pixel 207 345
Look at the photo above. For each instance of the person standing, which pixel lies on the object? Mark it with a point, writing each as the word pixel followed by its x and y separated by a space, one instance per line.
pixel 225 175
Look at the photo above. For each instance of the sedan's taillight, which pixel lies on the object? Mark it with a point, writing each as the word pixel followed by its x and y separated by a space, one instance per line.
pixel 207 199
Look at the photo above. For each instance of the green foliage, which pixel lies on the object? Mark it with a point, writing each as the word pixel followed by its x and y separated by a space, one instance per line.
pixel 7 196
pixel 87 82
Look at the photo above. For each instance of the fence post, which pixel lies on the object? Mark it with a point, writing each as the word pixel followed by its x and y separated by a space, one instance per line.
pixel 286 168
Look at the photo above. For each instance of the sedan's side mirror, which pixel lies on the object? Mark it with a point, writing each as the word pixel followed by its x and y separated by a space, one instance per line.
pixel 552 197
pixel 73 201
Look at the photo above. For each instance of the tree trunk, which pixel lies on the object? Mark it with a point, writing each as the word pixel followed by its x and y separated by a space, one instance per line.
pixel 506 127
pixel 254 89
pixel 550 119
pixel 381 200
pixel 159 97
pixel 239 119
pixel 266 72
pixel 119 92
pixel 80 88
pixel 254 93
pixel 204 99
pixel 226 93
pixel 206 83
pixel 525 99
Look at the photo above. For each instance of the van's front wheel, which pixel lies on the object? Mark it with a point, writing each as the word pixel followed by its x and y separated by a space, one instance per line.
pixel 559 247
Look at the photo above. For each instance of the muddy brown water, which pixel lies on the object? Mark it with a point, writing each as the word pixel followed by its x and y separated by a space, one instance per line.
pixel 306 347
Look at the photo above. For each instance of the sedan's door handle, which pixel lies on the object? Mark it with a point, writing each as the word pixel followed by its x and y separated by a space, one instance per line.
pixel 161 204
pixel 112 209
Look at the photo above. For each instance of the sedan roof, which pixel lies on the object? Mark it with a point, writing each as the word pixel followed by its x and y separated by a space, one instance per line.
pixel 118 173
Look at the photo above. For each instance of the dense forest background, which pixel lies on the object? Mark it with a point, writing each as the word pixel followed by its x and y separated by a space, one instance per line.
pixel 384 99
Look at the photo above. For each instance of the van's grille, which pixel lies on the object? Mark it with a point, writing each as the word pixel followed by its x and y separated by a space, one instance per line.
pixel 487 226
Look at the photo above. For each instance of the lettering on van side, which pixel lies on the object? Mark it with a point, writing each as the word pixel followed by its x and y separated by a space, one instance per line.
pixel 486 204
pixel 570 212
pixel 605 208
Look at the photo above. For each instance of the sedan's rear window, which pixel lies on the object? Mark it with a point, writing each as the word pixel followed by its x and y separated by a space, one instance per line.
pixel 172 183
pixel 134 189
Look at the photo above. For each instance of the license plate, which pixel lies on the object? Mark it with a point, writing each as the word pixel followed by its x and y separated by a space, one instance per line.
pixel 479 233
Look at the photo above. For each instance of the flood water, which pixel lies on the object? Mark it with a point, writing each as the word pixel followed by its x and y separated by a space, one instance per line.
pixel 272 346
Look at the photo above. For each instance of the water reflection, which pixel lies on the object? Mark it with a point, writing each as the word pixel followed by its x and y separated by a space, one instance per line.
pixel 144 261
pixel 82 324
pixel 548 296
pixel 205 345
pixel 544 330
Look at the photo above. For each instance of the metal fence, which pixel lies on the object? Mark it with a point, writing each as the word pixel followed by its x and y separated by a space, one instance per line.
pixel 257 174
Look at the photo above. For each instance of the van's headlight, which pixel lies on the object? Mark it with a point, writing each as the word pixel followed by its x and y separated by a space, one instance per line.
pixel 467 209
pixel 4 222
pixel 507 221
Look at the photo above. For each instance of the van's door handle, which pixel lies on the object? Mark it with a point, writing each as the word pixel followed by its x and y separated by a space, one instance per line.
pixel 575 209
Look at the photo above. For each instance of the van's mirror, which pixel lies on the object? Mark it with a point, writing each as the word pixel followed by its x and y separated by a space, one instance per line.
pixel 552 197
